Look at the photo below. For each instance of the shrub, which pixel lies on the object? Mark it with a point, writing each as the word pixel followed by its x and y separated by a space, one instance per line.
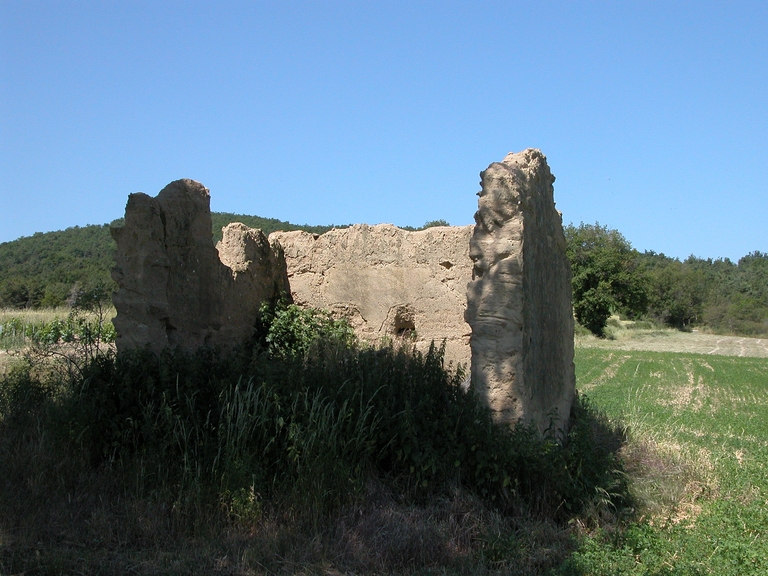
pixel 287 330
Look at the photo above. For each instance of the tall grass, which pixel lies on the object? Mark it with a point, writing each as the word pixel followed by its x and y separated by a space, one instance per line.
pixel 292 456
pixel 328 418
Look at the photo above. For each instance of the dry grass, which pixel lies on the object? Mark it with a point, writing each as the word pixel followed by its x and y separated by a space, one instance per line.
pixel 33 316
pixel 619 337
pixel 668 479
pixel 45 315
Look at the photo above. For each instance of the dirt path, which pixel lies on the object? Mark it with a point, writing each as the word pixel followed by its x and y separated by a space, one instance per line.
pixel 674 341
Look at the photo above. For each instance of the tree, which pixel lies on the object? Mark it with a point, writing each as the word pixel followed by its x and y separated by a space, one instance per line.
pixel 678 292
pixel 606 276
pixel 434 223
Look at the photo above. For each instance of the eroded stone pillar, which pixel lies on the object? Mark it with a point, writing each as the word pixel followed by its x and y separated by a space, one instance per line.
pixel 519 299
pixel 174 288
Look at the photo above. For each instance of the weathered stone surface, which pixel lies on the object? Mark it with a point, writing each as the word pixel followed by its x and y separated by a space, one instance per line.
pixel 507 277
pixel 175 289
pixel 519 300
pixel 387 282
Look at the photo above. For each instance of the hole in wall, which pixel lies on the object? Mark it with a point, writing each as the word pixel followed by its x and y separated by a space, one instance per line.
pixel 401 321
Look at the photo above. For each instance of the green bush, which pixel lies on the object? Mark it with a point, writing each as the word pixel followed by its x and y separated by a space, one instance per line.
pixel 287 330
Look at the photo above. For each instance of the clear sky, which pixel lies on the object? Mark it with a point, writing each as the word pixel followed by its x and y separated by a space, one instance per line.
pixel 653 115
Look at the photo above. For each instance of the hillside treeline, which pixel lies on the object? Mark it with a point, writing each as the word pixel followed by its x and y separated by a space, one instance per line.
pixel 609 276
pixel 266 225
pixel 48 269
pixel 720 294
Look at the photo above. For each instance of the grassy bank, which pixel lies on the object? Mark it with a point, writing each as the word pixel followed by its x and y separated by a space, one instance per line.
pixel 302 453
pixel 696 458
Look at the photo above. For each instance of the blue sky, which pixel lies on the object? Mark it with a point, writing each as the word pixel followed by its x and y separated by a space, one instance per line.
pixel 653 115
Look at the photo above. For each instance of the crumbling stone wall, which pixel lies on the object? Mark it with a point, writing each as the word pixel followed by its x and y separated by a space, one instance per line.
pixel 387 282
pixel 505 281
pixel 519 300
pixel 175 288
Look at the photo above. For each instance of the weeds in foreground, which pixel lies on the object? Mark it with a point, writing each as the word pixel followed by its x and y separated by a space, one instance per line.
pixel 293 458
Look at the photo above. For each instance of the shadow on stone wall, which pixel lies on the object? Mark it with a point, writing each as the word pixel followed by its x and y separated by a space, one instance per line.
pixel 175 287
pixel 519 301
pixel 507 278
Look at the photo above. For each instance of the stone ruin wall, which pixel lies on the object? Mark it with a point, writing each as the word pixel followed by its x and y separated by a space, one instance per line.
pixel 175 287
pixel 519 300
pixel 498 292
pixel 387 282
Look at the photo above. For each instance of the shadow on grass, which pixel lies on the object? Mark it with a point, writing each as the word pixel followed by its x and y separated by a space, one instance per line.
pixel 62 511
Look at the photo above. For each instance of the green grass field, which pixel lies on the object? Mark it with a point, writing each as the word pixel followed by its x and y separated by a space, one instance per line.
pixel 698 428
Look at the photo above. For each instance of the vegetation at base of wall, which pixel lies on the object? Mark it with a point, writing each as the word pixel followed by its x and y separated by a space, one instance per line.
pixel 191 483
pixel 328 412
pixel 691 459
pixel 310 437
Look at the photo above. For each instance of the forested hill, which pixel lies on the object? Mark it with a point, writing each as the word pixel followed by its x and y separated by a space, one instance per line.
pixel 42 269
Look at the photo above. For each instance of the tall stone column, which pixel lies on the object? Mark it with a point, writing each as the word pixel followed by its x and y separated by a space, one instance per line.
pixel 175 288
pixel 519 299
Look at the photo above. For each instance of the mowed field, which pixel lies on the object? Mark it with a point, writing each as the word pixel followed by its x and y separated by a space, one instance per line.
pixel 697 453
pixel 676 341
